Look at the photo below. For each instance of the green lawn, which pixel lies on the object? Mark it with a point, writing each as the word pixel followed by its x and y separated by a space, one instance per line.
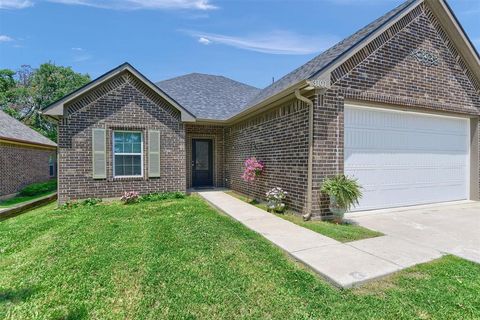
pixel 181 259
pixel 344 232
pixel 19 199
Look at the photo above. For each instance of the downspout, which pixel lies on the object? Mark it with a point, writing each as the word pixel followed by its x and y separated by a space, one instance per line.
pixel 309 102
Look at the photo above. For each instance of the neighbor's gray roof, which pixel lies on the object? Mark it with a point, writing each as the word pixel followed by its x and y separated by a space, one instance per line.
pixel 12 129
pixel 320 62
pixel 208 96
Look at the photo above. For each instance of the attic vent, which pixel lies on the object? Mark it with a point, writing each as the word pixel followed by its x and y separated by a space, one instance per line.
pixel 425 57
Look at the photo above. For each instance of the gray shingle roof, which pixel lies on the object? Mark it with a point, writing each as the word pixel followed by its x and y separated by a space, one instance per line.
pixel 208 96
pixel 11 128
pixel 320 62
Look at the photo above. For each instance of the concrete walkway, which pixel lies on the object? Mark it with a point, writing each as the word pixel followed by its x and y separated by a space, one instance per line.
pixel 343 264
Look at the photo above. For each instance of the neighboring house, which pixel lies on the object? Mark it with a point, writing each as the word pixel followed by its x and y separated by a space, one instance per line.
pixel 26 156
pixel 395 105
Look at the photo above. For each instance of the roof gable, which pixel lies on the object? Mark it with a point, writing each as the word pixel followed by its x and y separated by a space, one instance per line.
pixel 56 109
pixel 14 130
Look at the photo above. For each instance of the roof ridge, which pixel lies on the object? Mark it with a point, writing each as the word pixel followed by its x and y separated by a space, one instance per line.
pixel 209 75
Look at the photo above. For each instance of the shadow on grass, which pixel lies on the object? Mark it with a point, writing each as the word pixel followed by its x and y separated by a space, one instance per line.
pixel 16 295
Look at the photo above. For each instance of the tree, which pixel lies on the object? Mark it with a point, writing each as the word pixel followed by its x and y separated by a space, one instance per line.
pixel 26 92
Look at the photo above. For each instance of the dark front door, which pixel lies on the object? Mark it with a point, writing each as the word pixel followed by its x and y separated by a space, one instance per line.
pixel 202 164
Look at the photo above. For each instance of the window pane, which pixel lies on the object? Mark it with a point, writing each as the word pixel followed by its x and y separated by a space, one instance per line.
pixel 136 137
pixel 119 160
pixel 128 170
pixel 118 141
pixel 136 160
pixel 119 171
pixel 137 148
pixel 137 170
pixel 118 147
pixel 128 137
pixel 118 137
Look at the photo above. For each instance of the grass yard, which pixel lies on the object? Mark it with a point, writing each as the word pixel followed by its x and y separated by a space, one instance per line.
pixel 344 232
pixel 181 259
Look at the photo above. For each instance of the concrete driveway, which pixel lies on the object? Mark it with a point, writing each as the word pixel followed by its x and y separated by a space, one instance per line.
pixel 452 228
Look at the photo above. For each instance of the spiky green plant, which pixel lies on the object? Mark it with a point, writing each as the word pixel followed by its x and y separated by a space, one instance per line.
pixel 346 190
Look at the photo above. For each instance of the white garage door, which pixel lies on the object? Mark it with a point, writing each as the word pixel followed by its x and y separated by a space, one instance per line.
pixel 402 158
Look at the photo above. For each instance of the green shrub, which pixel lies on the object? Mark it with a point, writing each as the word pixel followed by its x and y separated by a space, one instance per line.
pixel 70 204
pixel 39 188
pixel 91 202
pixel 162 196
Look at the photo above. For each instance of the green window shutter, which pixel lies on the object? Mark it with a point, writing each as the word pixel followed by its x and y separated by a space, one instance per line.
pixel 154 153
pixel 99 157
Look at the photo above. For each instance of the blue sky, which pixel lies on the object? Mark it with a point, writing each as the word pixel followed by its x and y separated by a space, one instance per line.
pixel 247 40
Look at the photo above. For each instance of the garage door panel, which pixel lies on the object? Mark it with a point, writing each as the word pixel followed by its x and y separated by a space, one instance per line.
pixel 405 158
pixel 411 140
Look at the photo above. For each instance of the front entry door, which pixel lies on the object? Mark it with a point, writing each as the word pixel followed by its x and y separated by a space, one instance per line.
pixel 202 164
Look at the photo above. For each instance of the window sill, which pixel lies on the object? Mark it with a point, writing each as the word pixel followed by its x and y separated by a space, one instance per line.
pixel 129 178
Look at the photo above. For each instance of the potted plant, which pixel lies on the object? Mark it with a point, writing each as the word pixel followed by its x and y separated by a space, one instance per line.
pixel 275 199
pixel 344 192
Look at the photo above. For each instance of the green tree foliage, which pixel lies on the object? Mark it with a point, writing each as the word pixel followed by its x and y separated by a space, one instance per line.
pixel 25 92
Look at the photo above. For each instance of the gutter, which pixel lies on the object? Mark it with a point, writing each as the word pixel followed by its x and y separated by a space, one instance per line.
pixel 309 102
pixel 27 143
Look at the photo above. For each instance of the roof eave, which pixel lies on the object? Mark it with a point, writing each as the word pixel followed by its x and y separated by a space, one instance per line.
pixel 27 143
pixel 264 103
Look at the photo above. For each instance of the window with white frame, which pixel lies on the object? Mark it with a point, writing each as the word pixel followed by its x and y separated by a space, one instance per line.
pixel 127 154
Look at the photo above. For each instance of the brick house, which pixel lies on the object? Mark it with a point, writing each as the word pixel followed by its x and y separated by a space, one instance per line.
pixel 395 105
pixel 26 156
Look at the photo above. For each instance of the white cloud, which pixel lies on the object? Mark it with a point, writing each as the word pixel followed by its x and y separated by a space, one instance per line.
pixel 141 4
pixel 80 54
pixel 15 4
pixel 5 38
pixel 203 40
pixel 275 42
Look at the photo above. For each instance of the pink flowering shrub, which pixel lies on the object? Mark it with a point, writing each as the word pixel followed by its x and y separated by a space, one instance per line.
pixel 130 197
pixel 253 169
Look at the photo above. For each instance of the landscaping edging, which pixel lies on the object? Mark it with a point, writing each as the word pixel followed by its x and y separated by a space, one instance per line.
pixel 20 208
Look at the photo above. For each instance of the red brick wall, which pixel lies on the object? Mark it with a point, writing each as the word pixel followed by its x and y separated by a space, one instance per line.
pixel 279 138
pixel 122 103
pixel 21 166
pixel 390 75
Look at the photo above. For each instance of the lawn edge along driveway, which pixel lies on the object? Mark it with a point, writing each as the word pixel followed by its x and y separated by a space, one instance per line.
pixel 345 232
pixel 344 265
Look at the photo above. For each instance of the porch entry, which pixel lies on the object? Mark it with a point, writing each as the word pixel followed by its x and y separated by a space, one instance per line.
pixel 202 163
